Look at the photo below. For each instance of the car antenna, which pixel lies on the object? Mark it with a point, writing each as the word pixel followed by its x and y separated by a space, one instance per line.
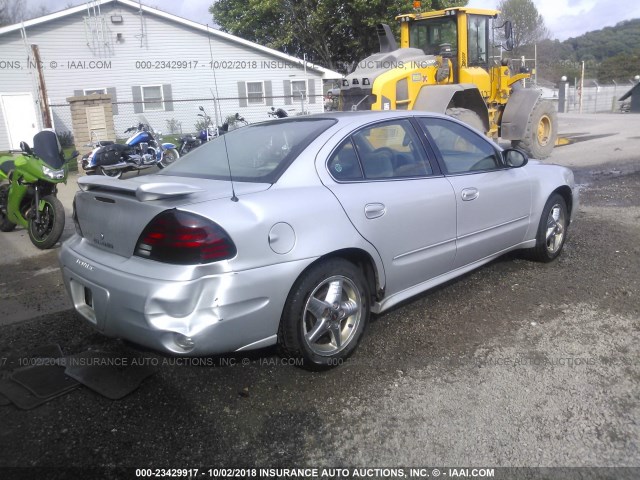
pixel 234 198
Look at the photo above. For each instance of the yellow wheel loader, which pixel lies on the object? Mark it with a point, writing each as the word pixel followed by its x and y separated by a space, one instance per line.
pixel 447 63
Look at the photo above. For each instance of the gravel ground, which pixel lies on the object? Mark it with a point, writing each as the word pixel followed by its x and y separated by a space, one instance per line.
pixel 515 364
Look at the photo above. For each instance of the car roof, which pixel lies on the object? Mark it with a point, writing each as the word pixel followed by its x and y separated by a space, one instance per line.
pixel 371 115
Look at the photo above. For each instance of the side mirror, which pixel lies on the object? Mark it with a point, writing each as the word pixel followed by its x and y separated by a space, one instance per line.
pixel 515 158
pixel 508 30
pixel 508 35
pixel 201 108
pixel 509 46
pixel 74 154
pixel 24 146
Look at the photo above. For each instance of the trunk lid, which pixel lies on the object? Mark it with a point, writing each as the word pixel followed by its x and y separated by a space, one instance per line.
pixel 113 213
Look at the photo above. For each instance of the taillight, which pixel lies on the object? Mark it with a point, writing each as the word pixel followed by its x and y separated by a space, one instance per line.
pixel 184 238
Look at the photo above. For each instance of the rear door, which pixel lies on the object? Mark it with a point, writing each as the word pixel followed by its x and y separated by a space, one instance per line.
pixel 397 201
pixel 493 202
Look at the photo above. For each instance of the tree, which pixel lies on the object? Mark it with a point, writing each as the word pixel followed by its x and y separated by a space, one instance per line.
pixel 528 24
pixel 13 11
pixel 621 67
pixel 332 33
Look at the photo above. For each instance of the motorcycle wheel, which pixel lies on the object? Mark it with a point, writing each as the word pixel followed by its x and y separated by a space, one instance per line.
pixel 5 224
pixel 168 157
pixel 111 173
pixel 46 233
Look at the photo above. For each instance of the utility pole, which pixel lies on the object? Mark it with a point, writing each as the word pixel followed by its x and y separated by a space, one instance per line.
pixel 306 86
pixel 535 64
pixel 581 86
pixel 43 100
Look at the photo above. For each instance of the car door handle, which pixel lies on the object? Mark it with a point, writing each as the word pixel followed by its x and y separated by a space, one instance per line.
pixel 469 194
pixel 374 210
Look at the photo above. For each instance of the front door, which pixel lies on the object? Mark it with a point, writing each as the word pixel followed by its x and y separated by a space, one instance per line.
pixel 387 187
pixel 493 201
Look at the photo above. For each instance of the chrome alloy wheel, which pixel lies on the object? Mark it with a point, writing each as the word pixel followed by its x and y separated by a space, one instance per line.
pixel 556 226
pixel 168 157
pixel 332 315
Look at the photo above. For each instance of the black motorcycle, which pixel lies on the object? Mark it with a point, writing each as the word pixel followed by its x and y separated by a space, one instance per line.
pixel 189 142
pixel 277 113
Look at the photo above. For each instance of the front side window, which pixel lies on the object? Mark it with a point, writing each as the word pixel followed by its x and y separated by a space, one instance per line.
pixel 256 153
pixel 152 98
pixel 433 35
pixel 383 151
pixel 462 150
pixel 255 93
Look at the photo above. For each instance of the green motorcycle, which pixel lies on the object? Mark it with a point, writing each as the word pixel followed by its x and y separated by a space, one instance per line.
pixel 28 197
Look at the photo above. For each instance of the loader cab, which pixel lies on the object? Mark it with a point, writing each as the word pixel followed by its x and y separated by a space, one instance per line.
pixel 460 34
pixel 435 36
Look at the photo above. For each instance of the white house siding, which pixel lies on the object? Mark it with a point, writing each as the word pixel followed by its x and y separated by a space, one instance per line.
pixel 66 51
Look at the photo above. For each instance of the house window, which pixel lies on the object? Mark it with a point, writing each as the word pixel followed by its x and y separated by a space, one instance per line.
pixel 152 98
pixel 299 89
pixel 94 91
pixel 255 93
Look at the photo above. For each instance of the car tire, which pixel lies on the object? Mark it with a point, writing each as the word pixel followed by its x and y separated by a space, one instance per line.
pixel 320 325
pixel 552 230
pixel 541 132
pixel 467 116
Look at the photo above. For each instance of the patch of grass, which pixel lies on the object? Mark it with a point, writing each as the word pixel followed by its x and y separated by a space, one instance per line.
pixel 175 139
pixel 67 152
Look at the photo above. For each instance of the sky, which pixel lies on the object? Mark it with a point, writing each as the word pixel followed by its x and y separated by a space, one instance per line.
pixel 564 18
pixel 571 18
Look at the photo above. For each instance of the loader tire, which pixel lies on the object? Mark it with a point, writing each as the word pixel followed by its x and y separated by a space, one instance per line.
pixel 541 132
pixel 467 116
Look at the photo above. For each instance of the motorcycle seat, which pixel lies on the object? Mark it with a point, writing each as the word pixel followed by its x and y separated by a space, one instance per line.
pixel 7 167
pixel 104 143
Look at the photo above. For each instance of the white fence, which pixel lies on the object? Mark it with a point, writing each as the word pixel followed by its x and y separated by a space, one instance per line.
pixel 595 99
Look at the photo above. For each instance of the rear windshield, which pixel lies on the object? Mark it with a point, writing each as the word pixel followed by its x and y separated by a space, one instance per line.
pixel 257 153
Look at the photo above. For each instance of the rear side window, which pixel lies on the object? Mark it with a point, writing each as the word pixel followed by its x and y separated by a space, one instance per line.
pixel 387 150
pixel 462 150
pixel 344 164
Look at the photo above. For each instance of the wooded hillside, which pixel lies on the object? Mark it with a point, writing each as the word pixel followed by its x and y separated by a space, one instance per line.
pixel 612 53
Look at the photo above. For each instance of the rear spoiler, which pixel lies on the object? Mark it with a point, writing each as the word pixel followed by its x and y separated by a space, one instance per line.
pixel 144 193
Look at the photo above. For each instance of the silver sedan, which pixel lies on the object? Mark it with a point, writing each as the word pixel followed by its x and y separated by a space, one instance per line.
pixel 294 231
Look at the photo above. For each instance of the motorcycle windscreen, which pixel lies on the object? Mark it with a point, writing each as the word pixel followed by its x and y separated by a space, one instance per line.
pixel 47 147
